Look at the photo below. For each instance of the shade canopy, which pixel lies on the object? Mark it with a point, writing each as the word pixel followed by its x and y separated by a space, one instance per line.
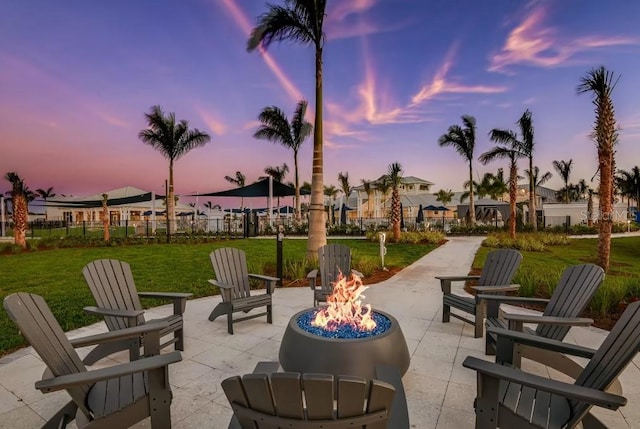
pixel 258 189
pixel 84 204
pixel 420 217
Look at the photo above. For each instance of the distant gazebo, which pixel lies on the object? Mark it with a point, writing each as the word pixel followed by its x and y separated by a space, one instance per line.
pixel 487 210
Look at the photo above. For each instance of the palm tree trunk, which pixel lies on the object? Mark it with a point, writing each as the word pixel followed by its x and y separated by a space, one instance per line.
pixel 533 219
pixel 472 207
pixel 317 228
pixel 20 216
pixel 605 218
pixel 297 197
pixel 590 210
pixel 513 189
pixel 395 214
pixel 171 206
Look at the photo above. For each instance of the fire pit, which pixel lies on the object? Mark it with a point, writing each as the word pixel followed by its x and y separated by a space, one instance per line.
pixel 343 338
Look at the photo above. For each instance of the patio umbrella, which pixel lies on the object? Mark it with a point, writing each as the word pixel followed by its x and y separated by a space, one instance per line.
pixel 444 209
pixel 420 217
pixel 401 217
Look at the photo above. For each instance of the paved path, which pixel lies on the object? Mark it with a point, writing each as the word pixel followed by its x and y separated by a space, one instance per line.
pixel 440 392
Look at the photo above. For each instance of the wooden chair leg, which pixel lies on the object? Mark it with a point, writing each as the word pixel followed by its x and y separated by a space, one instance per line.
pixel 269 313
pixel 64 416
pixel 179 336
pixel 160 398
pixel 446 313
pixel 486 403
pixel 219 310
pixel 230 322
pixel 479 330
pixel 489 348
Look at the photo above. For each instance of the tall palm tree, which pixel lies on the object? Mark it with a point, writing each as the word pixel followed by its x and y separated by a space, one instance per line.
pixel 600 83
pixel 463 140
pixel 19 207
pixel 173 140
pixel 276 128
pixel 394 176
pixel 564 170
pixel 301 21
pixel 508 147
pixel 524 145
pixel 239 180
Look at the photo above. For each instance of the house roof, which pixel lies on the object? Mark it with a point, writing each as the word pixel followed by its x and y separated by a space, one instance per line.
pixel 405 180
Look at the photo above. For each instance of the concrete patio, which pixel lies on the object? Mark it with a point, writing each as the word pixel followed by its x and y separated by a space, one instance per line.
pixel 440 392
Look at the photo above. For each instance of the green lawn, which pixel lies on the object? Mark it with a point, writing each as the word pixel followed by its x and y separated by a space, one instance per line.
pixel 56 274
pixel 540 271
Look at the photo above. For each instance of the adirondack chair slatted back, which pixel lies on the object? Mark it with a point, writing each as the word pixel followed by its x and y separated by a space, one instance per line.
pixel 36 323
pixel 615 353
pixel 333 259
pixel 230 266
pixel 575 289
pixel 499 268
pixel 297 398
pixel 112 286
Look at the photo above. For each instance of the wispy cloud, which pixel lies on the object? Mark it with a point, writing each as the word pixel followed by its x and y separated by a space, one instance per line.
pixel 530 42
pixel 23 69
pixel 245 25
pixel 212 122
pixel 442 84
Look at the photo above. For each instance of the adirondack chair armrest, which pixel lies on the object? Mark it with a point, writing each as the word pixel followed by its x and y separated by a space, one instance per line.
pixel 268 281
pixel 120 334
pixel 312 276
pixel 167 295
pixel 548 320
pixel 114 312
pixel 445 281
pixel 220 284
pixel 357 273
pixel 504 288
pixel 512 299
pixel 90 377
pixel 571 391
pixel 540 342
pixel 179 299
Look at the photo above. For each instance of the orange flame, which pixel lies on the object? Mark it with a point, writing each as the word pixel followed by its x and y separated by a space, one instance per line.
pixel 344 306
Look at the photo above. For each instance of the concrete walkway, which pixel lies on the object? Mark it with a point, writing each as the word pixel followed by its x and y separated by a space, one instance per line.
pixel 440 392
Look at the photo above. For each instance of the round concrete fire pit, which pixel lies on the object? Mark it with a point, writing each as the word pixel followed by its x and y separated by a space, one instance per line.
pixel 301 351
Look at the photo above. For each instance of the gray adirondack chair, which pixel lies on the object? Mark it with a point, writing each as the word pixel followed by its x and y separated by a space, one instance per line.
pixel 113 397
pixel 333 259
pixel 497 273
pixel 510 398
pixel 571 296
pixel 308 401
pixel 232 278
pixel 114 290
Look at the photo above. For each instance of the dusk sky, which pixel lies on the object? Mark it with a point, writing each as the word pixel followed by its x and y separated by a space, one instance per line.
pixel 76 78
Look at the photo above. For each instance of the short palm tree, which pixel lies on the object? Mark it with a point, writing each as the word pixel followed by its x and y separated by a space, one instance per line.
pixel 277 128
pixel 239 180
pixel 332 193
pixel 508 147
pixel 564 170
pixel 19 207
pixel 45 194
pixel 538 179
pixel 394 176
pixel 302 21
pixel 601 82
pixel 173 140
pixel 445 197
pixel 106 235
pixel 463 140
pixel 383 185
pixel 366 185
pixel 210 206
pixel 345 187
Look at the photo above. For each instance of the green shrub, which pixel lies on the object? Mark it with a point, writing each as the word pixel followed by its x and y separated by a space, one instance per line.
pixel 611 293
pixel 367 265
pixel 473 230
pixel 532 242
pixel 410 237
pixel 536 283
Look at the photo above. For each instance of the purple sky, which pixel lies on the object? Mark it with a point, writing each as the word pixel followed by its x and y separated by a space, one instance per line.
pixel 76 78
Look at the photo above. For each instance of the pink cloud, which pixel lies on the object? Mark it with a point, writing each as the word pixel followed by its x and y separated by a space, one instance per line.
pixel 532 43
pixel 213 123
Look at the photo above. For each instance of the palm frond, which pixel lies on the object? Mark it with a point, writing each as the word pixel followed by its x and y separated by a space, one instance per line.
pixel 278 24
